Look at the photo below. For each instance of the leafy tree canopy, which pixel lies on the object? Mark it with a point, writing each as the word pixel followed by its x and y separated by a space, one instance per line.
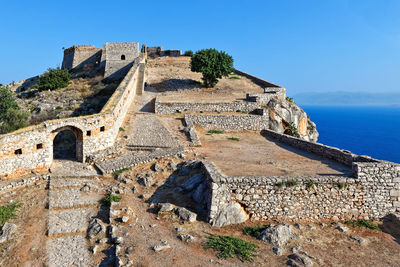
pixel 213 64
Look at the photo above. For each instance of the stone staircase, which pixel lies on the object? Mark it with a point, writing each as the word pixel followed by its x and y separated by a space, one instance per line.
pixel 71 205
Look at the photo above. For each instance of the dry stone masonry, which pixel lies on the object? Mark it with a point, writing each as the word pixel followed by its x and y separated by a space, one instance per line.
pixel 372 193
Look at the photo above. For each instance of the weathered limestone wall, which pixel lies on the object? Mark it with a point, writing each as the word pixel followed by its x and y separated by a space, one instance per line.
pixel 229 122
pixel 79 56
pixel 118 58
pixel 373 193
pixel 31 148
pixel 340 155
pixel 173 107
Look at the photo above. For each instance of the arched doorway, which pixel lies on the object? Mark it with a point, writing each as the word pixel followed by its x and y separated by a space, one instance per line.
pixel 68 143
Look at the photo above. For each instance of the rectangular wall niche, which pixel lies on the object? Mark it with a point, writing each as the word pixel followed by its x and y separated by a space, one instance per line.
pixel 39 146
pixel 102 129
pixel 88 133
pixel 18 152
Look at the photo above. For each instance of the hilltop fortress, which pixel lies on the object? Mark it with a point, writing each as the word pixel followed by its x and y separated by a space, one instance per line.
pixel 369 188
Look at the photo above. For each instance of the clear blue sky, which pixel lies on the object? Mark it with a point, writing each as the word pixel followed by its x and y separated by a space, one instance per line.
pixel 323 45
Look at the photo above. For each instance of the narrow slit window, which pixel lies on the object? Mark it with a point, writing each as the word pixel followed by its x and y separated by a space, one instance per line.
pixel 123 57
pixel 88 133
pixel 102 129
pixel 18 152
pixel 39 146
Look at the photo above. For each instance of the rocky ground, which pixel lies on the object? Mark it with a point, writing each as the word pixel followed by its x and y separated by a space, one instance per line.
pixel 146 233
pixel 85 94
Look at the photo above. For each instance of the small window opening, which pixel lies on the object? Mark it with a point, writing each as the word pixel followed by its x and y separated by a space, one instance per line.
pixel 102 129
pixel 18 152
pixel 39 146
pixel 123 57
pixel 88 133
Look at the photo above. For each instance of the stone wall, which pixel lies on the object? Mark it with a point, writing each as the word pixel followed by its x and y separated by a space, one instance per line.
pixel 174 107
pixel 373 193
pixel 340 155
pixel 79 56
pixel 31 148
pixel 229 122
pixel 118 58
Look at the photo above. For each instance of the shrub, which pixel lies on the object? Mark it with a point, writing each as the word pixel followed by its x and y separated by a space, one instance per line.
pixel 8 212
pixel 188 53
pixel 11 116
pixel 290 100
pixel 106 201
pixel 212 64
pixel 254 231
pixel 363 223
pixel 229 246
pixel 53 79
pixel 215 132
pixel 292 130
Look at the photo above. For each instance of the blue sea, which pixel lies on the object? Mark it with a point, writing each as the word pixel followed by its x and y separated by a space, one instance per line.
pixel 364 130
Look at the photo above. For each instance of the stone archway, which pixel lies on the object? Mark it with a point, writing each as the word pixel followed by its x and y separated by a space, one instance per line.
pixel 68 143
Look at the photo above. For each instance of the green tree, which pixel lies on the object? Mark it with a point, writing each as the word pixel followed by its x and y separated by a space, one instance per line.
pixel 53 79
pixel 11 116
pixel 213 64
pixel 188 53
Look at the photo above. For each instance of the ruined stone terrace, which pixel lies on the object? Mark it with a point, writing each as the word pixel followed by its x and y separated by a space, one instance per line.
pixel 255 155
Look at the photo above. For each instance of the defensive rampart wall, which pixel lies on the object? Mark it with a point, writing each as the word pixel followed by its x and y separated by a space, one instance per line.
pixel 31 148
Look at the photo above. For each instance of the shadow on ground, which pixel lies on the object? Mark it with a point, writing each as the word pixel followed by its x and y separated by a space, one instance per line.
pixel 343 169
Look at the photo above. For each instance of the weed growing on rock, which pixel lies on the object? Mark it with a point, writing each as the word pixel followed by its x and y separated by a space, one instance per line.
pixel 280 184
pixel 116 173
pixel 292 183
pixel 106 201
pixel 292 130
pixel 310 184
pixel 8 212
pixel 215 132
pixel 290 100
pixel 363 223
pixel 121 129
pixel 234 138
pixel 228 246
pixel 234 77
pixel 342 185
pixel 254 231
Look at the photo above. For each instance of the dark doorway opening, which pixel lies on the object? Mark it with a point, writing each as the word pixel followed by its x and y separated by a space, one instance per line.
pixel 64 145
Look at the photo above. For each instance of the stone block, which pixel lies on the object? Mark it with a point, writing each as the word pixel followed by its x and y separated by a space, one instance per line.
pixel 394 193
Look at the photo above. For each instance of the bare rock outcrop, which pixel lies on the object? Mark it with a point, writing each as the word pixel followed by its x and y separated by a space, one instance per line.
pixel 286 117
pixel 232 213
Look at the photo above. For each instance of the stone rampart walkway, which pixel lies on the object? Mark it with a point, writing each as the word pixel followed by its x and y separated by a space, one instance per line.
pixel 71 205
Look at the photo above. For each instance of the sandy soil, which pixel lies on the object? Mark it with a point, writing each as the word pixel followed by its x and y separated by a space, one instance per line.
pixel 255 155
pixel 168 74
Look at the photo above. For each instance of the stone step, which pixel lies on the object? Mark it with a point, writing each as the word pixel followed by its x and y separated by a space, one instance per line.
pixel 68 251
pixel 71 198
pixel 71 182
pixel 69 221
